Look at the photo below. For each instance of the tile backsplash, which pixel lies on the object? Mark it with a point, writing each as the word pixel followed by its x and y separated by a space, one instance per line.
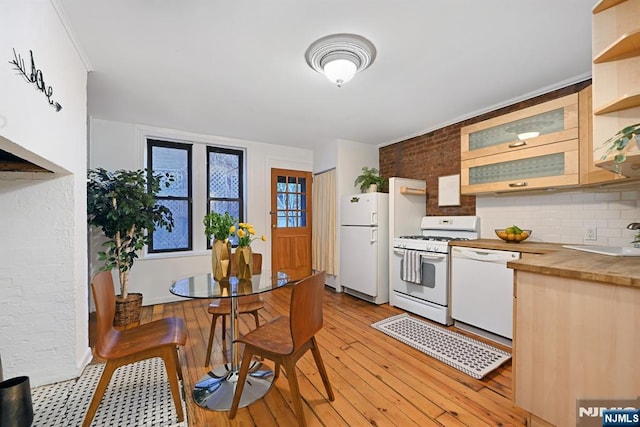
pixel 564 217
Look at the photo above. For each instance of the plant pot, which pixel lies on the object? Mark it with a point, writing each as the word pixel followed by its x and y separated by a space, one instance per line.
pixel 372 188
pixel 244 258
pixel 16 408
pixel 128 311
pixel 220 257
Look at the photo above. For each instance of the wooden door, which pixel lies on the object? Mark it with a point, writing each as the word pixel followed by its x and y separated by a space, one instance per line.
pixel 291 222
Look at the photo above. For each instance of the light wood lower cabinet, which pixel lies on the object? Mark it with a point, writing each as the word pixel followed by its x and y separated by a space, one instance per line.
pixel 573 339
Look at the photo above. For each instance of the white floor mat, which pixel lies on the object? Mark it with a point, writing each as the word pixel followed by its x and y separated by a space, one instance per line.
pixel 467 355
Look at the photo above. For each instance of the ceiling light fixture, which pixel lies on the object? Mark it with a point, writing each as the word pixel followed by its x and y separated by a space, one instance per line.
pixel 340 56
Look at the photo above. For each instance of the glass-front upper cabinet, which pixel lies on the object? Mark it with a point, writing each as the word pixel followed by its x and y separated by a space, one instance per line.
pixel 541 124
pixel 536 147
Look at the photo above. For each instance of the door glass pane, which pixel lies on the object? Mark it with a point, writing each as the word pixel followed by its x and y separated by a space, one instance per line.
pixel 282 219
pixel 293 186
pixel 291 201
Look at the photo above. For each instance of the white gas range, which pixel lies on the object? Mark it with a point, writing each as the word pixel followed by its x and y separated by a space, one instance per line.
pixel 419 270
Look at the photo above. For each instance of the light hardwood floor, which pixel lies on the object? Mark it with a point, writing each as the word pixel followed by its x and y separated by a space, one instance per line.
pixel 376 379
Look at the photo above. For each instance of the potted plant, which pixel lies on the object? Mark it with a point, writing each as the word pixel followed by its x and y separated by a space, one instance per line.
pixel 620 141
pixel 369 178
pixel 219 226
pixel 123 205
pixel 244 255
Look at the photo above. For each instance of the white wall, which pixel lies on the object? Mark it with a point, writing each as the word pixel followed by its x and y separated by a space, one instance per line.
pixel 117 145
pixel 43 303
pixel 563 217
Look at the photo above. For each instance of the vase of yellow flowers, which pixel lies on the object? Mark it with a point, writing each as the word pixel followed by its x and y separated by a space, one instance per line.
pixel 219 227
pixel 244 254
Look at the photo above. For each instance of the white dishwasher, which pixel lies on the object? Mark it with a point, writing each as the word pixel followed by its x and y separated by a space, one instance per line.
pixel 482 289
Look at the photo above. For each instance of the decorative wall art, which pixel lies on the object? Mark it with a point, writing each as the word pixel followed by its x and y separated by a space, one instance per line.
pixel 36 77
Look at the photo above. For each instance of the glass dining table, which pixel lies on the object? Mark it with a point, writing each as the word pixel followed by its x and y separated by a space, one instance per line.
pixel 215 389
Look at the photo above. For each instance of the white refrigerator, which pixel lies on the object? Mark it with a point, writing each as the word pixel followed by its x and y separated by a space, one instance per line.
pixel 364 246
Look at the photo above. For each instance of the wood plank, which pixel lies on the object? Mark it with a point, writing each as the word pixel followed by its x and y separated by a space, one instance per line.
pixel 376 380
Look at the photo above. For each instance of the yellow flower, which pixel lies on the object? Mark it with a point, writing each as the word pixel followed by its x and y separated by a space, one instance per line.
pixel 232 229
pixel 264 238
pixel 241 233
pixel 252 231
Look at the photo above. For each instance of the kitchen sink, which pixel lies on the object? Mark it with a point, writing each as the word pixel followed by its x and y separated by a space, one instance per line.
pixel 606 250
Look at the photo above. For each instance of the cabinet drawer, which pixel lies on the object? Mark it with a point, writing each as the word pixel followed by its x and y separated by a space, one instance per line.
pixel 546 166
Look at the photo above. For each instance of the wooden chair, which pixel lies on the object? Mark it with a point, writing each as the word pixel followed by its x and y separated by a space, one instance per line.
pixel 156 339
pixel 285 339
pixel 222 307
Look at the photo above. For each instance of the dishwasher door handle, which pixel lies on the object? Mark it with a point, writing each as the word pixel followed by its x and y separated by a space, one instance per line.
pixel 487 256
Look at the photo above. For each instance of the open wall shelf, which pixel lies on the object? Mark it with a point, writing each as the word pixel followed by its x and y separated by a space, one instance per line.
pixel 624 103
pixel 626 46
pixel 605 4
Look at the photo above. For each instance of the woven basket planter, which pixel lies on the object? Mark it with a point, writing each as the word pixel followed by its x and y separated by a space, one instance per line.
pixel 128 310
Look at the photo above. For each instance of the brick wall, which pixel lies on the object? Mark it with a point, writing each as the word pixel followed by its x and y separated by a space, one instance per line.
pixel 437 153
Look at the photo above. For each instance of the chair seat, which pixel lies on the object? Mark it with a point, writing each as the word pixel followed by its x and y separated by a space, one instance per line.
pixel 144 337
pixel 245 305
pixel 273 336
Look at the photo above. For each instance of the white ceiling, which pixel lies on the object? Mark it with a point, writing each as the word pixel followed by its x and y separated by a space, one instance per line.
pixel 237 68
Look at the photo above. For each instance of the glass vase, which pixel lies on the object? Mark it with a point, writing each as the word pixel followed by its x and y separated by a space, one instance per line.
pixel 220 256
pixel 244 258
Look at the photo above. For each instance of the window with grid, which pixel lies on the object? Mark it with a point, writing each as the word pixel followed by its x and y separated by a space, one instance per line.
pixel 173 158
pixel 225 183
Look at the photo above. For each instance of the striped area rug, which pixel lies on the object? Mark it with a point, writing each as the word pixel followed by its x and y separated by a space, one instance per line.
pixel 473 357
pixel 138 395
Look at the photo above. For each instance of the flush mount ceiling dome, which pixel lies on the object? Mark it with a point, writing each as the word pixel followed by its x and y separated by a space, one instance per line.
pixel 340 56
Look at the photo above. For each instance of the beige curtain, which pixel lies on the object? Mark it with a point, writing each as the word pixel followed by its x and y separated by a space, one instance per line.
pixel 323 241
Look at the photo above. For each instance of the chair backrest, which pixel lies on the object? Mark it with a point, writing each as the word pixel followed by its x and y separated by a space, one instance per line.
pixel 104 298
pixel 305 312
pixel 257 263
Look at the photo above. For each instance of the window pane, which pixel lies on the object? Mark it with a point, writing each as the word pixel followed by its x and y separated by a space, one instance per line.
pixel 303 185
pixel 303 201
pixel 224 175
pixel 222 206
pixel 178 238
pixel 303 219
pixel 281 200
pixel 174 161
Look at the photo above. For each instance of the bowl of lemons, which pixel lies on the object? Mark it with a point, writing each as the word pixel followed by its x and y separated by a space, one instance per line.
pixel 513 234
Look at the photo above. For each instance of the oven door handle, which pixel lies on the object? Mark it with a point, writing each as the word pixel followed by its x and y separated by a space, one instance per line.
pixel 430 255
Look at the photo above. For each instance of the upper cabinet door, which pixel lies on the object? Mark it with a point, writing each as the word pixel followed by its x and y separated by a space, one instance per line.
pixel 545 123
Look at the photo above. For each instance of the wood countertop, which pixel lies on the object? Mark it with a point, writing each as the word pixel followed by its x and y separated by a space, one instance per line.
pixel 501 245
pixel 558 261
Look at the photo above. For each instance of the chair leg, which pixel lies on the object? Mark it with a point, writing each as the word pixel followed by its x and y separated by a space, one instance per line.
pixel 290 367
pixel 169 355
pixel 109 368
pixel 255 316
pixel 178 365
pixel 210 345
pixel 242 378
pixel 323 372
pixel 224 327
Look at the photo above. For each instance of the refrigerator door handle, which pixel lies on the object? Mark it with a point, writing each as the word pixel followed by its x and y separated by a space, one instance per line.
pixel 373 218
pixel 374 235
